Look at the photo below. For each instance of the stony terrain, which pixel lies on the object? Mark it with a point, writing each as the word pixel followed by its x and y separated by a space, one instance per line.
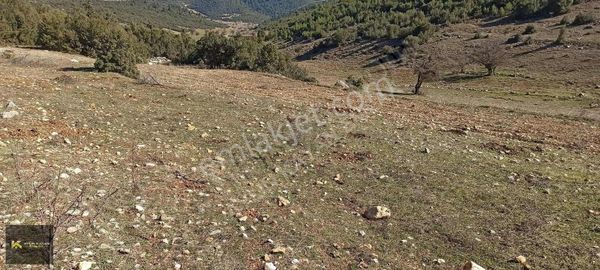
pixel 216 169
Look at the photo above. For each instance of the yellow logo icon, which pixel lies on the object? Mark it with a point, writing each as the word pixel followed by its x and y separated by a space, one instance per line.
pixel 16 245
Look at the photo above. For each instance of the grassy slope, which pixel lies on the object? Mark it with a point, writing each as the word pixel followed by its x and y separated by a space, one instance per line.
pixel 445 204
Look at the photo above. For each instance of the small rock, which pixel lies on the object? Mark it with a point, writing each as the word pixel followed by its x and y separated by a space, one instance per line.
pixel 440 261
pixel 105 246
pixel 267 257
pixel 9 114
pixel 377 212
pixel 521 259
pixel 270 266
pixel 426 151
pixel 139 208
pixel 472 266
pixel 177 266
pixel 10 106
pixel 85 265
pixel 64 176
pixel 342 84
pixel 281 201
pixel 124 250
pixel 338 179
pixel 72 229
pixel 215 232
pixel 279 250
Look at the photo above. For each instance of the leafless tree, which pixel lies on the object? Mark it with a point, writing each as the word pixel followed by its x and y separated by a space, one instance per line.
pixel 490 55
pixel 424 65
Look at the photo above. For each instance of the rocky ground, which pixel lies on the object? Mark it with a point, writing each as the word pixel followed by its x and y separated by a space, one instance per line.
pixel 215 169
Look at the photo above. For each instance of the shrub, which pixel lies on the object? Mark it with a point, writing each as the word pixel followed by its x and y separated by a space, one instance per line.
pixel 526 8
pixel 116 55
pixel 8 54
pixel 388 50
pixel 582 19
pixel 559 6
pixel 490 55
pixel 561 37
pixel 565 21
pixel 514 39
pixel 355 81
pixel 530 29
pixel 411 42
pixel 344 36
pixel 244 53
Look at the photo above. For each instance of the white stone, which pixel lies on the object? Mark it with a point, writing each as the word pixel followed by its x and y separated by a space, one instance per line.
pixel 377 212
pixel 9 114
pixel 85 265
pixel 270 266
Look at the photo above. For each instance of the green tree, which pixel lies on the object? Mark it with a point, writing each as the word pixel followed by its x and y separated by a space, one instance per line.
pixel 116 54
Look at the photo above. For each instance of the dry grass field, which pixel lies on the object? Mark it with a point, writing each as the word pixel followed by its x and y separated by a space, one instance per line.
pixel 218 169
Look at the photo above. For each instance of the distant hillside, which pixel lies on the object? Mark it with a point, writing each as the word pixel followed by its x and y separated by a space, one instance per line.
pixel 249 10
pixel 171 14
pixel 350 20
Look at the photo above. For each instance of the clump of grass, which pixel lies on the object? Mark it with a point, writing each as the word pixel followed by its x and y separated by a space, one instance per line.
pixel 8 54
pixel 515 39
pixel 530 29
pixel 355 81
pixel 560 40
pixel 582 19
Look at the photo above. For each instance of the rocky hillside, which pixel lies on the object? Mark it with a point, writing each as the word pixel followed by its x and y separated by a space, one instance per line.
pixel 221 169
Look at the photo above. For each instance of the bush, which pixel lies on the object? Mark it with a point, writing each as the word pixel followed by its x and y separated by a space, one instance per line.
pixel 411 42
pixel 514 39
pixel 388 50
pixel 8 54
pixel 559 6
pixel 582 19
pixel 561 37
pixel 526 8
pixel 244 53
pixel 116 55
pixel 355 81
pixel 530 29
pixel 565 21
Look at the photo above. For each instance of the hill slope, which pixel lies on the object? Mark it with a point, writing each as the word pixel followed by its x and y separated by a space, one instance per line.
pixel 248 10
pixel 350 20
pixel 171 14
pixel 493 184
